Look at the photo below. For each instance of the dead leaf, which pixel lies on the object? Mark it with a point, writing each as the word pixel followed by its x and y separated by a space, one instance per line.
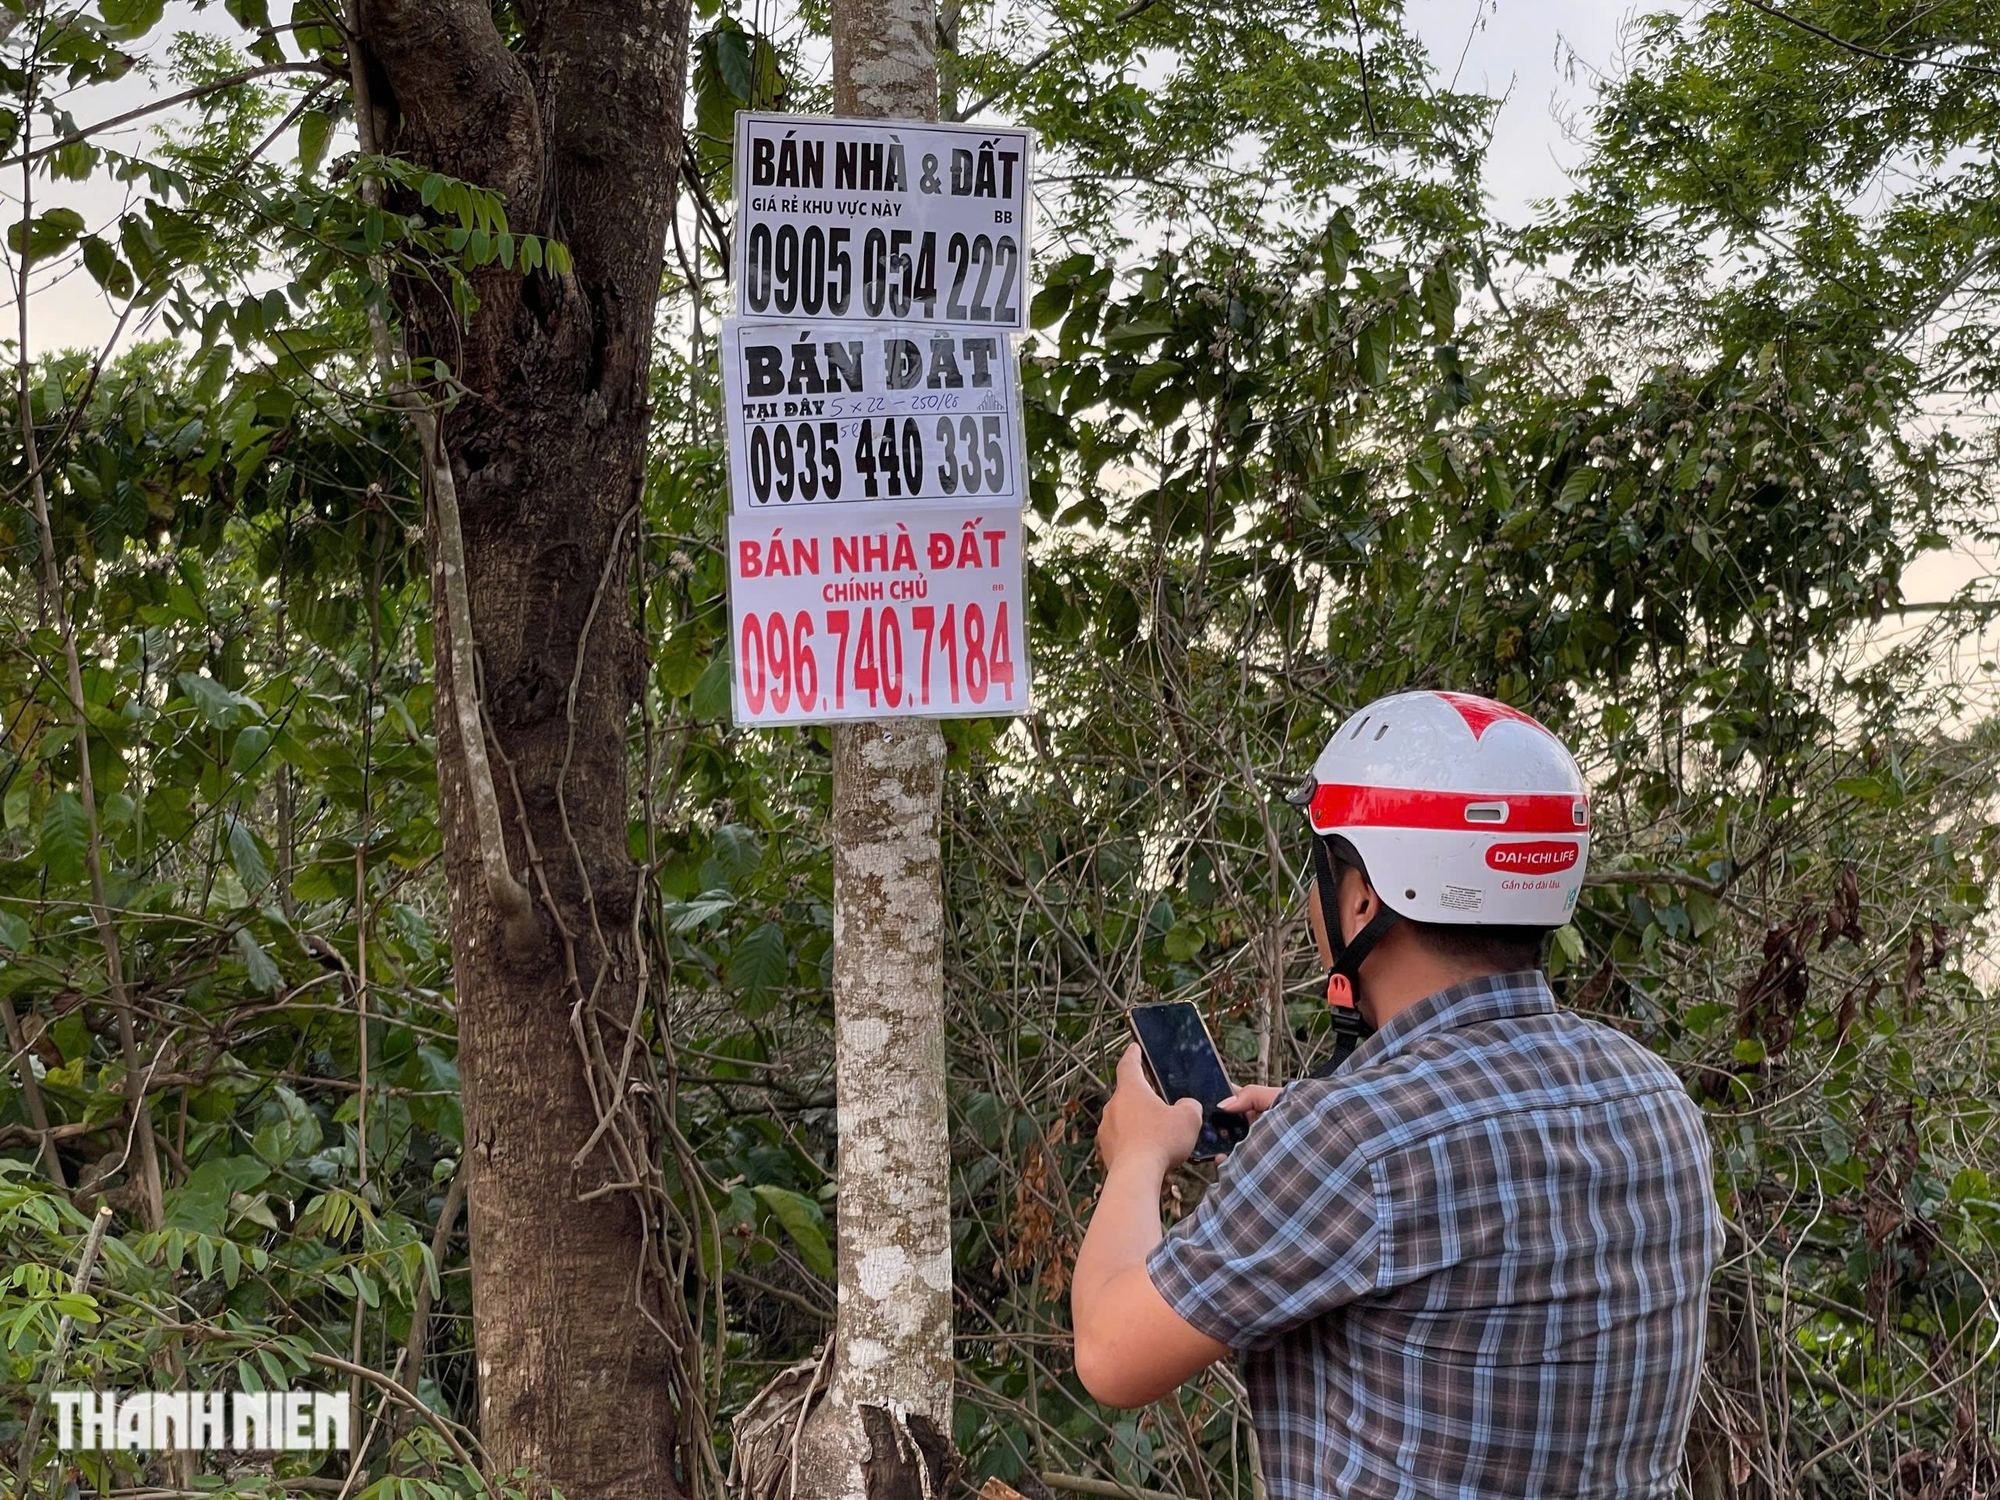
pixel 1843 917
pixel 1913 975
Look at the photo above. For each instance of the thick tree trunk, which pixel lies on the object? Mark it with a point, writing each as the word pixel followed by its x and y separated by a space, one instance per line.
pixel 884 1430
pixel 579 128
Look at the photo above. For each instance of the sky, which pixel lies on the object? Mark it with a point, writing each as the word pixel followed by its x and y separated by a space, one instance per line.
pixel 1540 55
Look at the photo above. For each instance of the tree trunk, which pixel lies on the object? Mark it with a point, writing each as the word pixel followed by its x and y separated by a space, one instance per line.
pixel 578 127
pixel 884 1430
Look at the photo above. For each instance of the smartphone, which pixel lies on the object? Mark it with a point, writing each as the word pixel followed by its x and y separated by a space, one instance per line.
pixel 1181 1056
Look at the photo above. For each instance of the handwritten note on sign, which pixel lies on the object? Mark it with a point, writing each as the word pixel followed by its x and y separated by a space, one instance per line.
pixel 872 219
pixel 845 614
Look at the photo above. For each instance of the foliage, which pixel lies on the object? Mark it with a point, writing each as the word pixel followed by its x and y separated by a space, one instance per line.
pixel 1306 428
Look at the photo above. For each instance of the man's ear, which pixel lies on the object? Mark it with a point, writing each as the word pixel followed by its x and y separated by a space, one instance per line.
pixel 1358 901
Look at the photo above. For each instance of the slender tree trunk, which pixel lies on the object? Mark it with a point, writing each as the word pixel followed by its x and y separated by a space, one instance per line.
pixel 578 127
pixel 883 1432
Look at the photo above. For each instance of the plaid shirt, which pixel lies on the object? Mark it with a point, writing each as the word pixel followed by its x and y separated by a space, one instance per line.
pixel 1473 1263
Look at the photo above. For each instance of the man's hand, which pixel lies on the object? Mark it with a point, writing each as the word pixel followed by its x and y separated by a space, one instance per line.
pixel 1131 1347
pixel 1141 1128
pixel 1251 1100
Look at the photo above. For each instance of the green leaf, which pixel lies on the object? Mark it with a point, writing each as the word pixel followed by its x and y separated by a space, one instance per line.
pixel 1577 487
pixel 247 755
pixel 1050 303
pixel 686 916
pixel 1441 301
pixel 106 269
pixel 735 853
pixel 732 61
pixel 273 1142
pixel 49 233
pixel 15 934
pixel 710 700
pixel 760 960
pixel 264 974
pixel 247 858
pixel 1150 377
pixel 217 705
pixel 130 19
pixel 1138 331
pixel 74 162
pixel 201 1202
pixel 65 837
pixel 1371 354
pixel 801 1218
pixel 1705 1015
pixel 681 663
pixel 1702 911
pixel 20 800
pixel 315 129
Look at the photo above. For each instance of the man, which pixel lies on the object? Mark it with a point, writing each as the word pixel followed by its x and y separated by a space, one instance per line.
pixel 1474 1259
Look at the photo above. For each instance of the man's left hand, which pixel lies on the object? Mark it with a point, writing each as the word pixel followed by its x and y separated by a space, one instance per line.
pixel 1141 1127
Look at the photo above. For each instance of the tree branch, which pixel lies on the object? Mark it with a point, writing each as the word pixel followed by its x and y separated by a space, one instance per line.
pixel 31 1091
pixel 1361 52
pixel 229 81
pixel 1655 877
pixel 413 1347
pixel 1136 8
pixel 508 895
pixel 59 1352
pixel 1862 50
pixel 466 103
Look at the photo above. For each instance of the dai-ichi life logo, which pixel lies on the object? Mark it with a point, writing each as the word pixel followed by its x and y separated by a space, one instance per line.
pixel 1542 857
pixel 190 1421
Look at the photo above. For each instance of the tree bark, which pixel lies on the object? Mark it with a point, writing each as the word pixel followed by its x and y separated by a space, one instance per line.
pixel 884 1430
pixel 578 127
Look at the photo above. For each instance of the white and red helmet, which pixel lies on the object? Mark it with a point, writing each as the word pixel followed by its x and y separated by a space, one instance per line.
pixel 1461 810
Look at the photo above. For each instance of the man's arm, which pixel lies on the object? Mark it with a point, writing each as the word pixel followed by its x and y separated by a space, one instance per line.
pixel 1131 1347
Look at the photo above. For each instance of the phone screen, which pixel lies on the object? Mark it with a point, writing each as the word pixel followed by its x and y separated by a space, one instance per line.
pixel 1185 1066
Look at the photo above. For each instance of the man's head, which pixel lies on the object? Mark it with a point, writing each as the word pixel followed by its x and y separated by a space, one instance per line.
pixel 1450 834
pixel 1415 959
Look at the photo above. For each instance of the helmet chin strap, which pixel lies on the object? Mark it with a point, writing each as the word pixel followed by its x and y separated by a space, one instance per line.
pixel 1349 1027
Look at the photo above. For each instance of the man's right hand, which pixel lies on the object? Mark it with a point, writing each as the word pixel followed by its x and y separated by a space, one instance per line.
pixel 1251 1100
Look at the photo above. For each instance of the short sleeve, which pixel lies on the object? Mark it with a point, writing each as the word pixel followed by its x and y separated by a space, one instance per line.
pixel 1290 1230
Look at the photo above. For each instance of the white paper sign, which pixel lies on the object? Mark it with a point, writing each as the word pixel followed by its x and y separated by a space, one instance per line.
pixel 874 219
pixel 837 413
pixel 860 614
